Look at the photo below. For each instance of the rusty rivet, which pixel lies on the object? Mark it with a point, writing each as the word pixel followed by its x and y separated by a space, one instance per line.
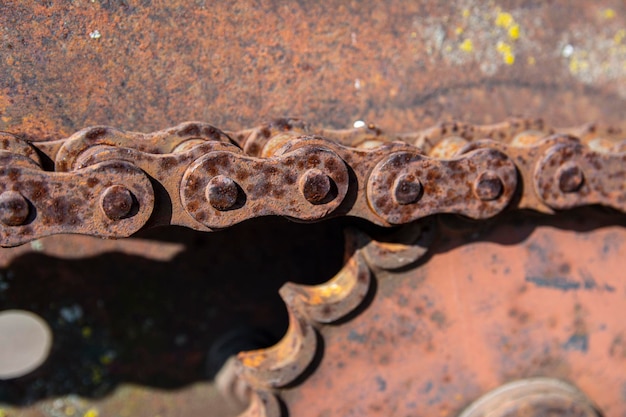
pixel 488 186
pixel 222 192
pixel 315 185
pixel 570 177
pixel 117 202
pixel 406 190
pixel 13 208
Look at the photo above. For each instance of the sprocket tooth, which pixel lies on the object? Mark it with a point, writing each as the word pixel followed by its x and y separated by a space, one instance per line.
pixel 262 404
pixel 281 364
pixel 335 298
pixel 401 248
pixel 307 306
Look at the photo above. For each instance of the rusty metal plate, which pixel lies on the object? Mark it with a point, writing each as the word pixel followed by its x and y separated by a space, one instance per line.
pixel 526 298
pixel 143 66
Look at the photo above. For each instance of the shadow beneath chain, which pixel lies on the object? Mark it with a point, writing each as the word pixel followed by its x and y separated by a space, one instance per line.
pixel 133 315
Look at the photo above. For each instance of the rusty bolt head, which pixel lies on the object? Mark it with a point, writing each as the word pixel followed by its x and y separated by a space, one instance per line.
pixel 13 208
pixel 570 177
pixel 406 189
pixel 222 192
pixel 117 202
pixel 488 186
pixel 315 185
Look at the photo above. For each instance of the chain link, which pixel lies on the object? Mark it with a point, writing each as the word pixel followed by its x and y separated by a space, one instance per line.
pixel 110 183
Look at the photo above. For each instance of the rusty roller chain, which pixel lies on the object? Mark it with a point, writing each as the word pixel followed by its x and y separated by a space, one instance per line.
pixel 110 183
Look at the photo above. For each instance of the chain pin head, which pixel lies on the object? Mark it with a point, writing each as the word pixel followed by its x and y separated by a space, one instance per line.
pixel 406 189
pixel 222 192
pixel 570 177
pixel 117 202
pixel 13 208
pixel 488 186
pixel 315 186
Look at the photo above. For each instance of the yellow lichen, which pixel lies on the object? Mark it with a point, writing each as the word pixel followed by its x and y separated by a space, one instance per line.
pixel 506 51
pixel 531 60
pixel 3 413
pixel 619 36
pixel 96 375
pixel 608 13
pixel 504 20
pixel 466 45
pixel 458 30
pixel 92 412
pixel 577 65
pixel 69 411
pixel 514 31
pixel 106 359
pixel 466 13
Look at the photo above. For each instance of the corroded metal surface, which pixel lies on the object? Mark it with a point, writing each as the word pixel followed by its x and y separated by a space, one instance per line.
pixel 141 66
pixel 112 184
pixel 480 311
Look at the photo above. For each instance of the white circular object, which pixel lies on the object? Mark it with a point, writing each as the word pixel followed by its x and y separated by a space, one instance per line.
pixel 25 341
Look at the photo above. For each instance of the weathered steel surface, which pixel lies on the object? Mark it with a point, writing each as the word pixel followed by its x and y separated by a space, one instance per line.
pixel 529 297
pixel 142 66
pixel 112 183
